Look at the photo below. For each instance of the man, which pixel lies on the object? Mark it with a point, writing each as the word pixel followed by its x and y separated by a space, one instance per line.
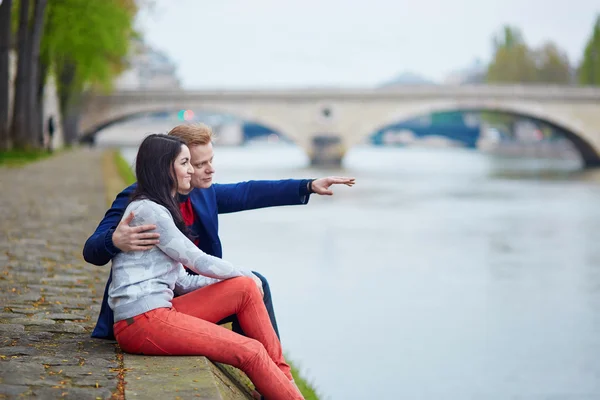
pixel 50 133
pixel 200 208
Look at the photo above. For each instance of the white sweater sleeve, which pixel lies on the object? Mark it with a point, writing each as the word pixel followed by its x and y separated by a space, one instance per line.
pixel 177 246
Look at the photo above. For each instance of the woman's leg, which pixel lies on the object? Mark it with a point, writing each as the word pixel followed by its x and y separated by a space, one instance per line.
pixel 166 331
pixel 267 299
pixel 238 296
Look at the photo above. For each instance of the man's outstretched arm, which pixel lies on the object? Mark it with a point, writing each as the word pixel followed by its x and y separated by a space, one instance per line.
pixel 114 234
pixel 251 195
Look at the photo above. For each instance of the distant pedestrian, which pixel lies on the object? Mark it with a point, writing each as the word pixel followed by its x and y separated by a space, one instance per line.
pixel 50 133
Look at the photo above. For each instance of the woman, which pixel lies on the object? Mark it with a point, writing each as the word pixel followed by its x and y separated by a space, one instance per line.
pixel 149 320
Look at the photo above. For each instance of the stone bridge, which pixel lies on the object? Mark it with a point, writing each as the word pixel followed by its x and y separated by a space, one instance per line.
pixel 346 116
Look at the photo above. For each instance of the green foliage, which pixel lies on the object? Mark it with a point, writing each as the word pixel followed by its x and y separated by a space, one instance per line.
pixel 515 62
pixel 589 71
pixel 84 43
pixel 92 36
pixel 307 390
pixel 512 65
pixel 17 158
pixel 552 65
pixel 510 38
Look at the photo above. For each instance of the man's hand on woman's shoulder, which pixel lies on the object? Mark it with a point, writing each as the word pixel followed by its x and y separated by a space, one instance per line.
pixel 137 238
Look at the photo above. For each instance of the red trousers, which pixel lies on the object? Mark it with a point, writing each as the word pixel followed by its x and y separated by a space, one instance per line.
pixel 189 329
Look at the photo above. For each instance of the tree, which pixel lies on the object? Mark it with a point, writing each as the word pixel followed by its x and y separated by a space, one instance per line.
pixel 552 65
pixel 83 43
pixel 5 46
pixel 34 108
pixel 589 71
pixel 20 106
pixel 25 132
pixel 513 62
pixel 510 38
pixel 87 42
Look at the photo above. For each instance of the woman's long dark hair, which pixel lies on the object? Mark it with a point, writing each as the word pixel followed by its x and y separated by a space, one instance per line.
pixel 155 173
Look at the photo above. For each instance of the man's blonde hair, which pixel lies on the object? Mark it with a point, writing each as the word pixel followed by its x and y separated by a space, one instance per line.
pixel 193 134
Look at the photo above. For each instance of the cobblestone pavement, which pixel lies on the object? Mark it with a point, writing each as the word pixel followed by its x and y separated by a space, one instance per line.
pixel 50 297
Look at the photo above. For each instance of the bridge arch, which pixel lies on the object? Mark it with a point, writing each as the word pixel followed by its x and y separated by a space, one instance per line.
pixel 89 131
pixel 573 131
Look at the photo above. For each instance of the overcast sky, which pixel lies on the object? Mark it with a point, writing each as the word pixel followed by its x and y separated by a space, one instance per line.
pixel 275 43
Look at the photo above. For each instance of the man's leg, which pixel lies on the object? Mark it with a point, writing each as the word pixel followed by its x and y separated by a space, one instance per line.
pixel 235 324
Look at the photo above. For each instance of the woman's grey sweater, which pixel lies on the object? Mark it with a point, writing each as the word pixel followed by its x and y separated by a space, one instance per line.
pixel 145 280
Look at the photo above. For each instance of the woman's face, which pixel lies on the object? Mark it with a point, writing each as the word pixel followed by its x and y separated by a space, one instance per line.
pixel 183 169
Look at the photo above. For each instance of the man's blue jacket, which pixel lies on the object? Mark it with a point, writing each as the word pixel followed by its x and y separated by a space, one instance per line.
pixel 207 204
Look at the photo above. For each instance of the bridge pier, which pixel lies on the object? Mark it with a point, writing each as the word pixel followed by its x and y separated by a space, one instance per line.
pixel 326 151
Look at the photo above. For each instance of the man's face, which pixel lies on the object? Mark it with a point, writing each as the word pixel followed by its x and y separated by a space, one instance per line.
pixel 202 159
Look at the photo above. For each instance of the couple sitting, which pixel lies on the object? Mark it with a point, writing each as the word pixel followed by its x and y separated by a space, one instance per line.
pixel 161 309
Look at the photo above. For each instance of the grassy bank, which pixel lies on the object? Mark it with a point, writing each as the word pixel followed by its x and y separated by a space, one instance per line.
pixel 17 158
pixel 126 176
pixel 307 389
pixel 125 170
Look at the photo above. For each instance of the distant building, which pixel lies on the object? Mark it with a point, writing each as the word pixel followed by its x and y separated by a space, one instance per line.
pixel 473 74
pixel 149 69
pixel 406 78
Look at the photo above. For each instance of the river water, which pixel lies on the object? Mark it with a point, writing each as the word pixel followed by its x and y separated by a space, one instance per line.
pixel 443 274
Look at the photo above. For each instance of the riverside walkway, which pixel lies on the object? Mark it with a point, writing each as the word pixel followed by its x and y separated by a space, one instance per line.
pixel 50 296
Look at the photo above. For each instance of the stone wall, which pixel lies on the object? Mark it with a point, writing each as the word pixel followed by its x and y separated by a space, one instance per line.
pixel 51 106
